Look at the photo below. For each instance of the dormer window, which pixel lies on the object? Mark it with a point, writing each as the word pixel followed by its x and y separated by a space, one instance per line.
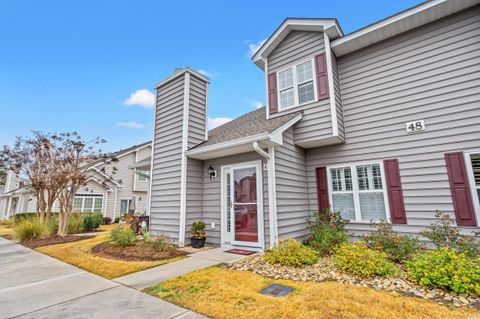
pixel 296 85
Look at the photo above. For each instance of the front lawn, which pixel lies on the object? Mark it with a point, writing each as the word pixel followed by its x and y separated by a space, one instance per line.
pixel 80 254
pixel 224 293
pixel 6 229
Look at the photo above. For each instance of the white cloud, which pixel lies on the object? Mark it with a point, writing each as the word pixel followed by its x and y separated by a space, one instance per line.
pixel 213 122
pixel 253 47
pixel 143 97
pixel 254 103
pixel 135 125
pixel 208 74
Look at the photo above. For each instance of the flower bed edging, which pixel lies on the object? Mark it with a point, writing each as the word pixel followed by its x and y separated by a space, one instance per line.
pixel 325 270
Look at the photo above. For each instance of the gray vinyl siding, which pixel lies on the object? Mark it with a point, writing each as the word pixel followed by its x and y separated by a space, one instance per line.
pixel 194 194
pixel 212 195
pixel 291 189
pixel 431 73
pixel 297 47
pixel 167 157
pixel 197 111
pixel 338 97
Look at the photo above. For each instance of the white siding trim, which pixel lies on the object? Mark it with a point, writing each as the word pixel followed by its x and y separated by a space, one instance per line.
pixel 115 203
pixel 471 183
pixel 149 195
pixel 331 88
pixel 267 103
pixel 206 111
pixel 183 180
pixel 272 197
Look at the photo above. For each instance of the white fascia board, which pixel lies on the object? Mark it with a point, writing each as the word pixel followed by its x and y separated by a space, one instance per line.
pixel 111 179
pixel 372 31
pixel 95 180
pixel 181 73
pixel 237 142
pixel 277 135
pixel 291 24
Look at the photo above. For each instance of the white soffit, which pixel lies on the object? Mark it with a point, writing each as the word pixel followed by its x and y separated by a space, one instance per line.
pixel 290 24
pixel 401 22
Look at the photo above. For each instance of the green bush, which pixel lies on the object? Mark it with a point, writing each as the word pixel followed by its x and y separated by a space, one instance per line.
pixel 122 236
pixel 160 243
pixel 446 268
pixel 22 216
pixel 443 234
pixel 198 230
pixel 92 221
pixel 398 248
pixel 358 259
pixel 327 231
pixel 291 253
pixel 75 225
pixel 28 229
pixel 117 220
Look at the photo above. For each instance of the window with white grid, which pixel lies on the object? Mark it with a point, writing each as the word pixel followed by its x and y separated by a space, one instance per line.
pixel 358 192
pixel 296 85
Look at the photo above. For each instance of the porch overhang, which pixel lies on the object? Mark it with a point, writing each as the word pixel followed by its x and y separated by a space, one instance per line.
pixel 242 145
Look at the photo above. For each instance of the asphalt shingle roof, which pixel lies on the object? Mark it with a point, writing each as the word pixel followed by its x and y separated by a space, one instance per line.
pixel 249 124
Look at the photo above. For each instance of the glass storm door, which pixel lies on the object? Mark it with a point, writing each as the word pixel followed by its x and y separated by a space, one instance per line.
pixel 244 214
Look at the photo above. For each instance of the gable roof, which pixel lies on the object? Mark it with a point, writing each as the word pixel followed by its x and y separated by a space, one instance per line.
pixel 249 124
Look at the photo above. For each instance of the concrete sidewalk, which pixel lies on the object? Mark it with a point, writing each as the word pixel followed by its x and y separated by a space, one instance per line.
pixel 199 260
pixel 33 285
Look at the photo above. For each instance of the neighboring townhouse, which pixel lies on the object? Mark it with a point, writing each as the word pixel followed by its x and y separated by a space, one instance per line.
pixel 112 189
pixel 379 124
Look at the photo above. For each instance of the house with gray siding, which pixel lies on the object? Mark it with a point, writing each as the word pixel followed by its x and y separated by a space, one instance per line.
pixel 113 188
pixel 379 124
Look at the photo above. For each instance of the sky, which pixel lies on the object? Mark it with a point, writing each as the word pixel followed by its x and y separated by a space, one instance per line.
pixel 91 66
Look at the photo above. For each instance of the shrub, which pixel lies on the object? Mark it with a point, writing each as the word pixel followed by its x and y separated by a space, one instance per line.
pixel 358 259
pixel 327 231
pixel 28 229
pixel 75 224
pixel 446 268
pixel 291 253
pixel 198 230
pixel 160 243
pixel 106 221
pixel 444 234
pixel 398 248
pixel 92 221
pixel 21 216
pixel 117 220
pixel 121 236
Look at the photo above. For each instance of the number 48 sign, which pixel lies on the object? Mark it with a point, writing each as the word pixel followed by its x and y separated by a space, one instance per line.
pixel 415 126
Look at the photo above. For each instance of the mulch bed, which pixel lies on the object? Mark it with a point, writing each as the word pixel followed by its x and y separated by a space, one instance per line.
pixel 136 252
pixel 52 240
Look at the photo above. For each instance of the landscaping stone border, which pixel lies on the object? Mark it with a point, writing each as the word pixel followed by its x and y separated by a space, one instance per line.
pixel 325 270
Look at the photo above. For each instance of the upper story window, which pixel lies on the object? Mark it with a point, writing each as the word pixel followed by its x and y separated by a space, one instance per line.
pixel 142 175
pixel 358 192
pixel 296 85
pixel 475 178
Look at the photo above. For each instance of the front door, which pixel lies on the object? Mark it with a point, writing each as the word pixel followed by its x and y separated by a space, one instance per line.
pixel 243 205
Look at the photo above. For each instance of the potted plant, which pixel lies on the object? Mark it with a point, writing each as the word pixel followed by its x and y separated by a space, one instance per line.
pixel 198 234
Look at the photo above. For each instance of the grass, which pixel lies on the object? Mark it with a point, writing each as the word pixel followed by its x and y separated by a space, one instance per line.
pixel 79 254
pixel 6 229
pixel 109 227
pixel 223 293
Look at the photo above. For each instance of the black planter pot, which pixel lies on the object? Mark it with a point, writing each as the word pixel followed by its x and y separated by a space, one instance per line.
pixel 198 242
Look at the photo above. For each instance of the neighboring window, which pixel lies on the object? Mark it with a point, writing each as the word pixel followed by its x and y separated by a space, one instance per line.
pixel 296 85
pixel 358 192
pixel 475 161
pixel 88 203
pixel 124 205
pixel 142 176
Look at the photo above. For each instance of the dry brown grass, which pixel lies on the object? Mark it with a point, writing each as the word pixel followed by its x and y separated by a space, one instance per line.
pixel 224 293
pixel 6 229
pixel 79 254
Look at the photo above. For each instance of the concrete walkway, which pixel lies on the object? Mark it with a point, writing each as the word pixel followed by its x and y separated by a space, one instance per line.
pixel 199 260
pixel 33 285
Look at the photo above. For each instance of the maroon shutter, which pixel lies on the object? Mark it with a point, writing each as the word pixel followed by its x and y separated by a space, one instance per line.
pixel 322 188
pixel 462 199
pixel 395 193
pixel 321 73
pixel 272 93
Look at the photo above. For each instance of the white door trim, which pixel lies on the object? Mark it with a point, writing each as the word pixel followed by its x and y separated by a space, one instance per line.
pixel 260 203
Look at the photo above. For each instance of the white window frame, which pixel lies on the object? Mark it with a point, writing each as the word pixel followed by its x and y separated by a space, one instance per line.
pixel 94 197
pixel 129 202
pixel 296 102
pixel 471 182
pixel 141 171
pixel 357 191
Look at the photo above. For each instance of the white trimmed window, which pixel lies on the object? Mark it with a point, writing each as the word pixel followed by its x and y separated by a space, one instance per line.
pixel 474 172
pixel 124 206
pixel 296 85
pixel 142 176
pixel 358 192
pixel 87 203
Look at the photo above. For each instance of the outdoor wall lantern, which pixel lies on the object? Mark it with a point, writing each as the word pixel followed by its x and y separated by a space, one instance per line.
pixel 211 172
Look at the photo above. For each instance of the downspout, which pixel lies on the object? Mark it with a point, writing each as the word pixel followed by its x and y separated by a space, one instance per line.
pixel 270 158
